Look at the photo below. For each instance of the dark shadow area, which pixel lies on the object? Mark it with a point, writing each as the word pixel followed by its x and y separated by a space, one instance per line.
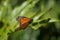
pixel 59 16
pixel 47 33
pixel 57 1
pixel 1 24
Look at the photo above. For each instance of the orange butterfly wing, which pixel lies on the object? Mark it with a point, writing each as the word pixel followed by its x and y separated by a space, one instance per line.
pixel 24 21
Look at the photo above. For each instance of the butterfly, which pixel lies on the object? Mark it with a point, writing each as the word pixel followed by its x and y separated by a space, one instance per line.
pixel 24 22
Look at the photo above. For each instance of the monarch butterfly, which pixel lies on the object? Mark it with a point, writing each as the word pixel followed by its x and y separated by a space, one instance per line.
pixel 24 22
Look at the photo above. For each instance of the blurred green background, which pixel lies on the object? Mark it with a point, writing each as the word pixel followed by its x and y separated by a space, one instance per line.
pixel 45 15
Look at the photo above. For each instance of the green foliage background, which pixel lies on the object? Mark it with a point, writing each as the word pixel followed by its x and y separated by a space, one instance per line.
pixel 38 10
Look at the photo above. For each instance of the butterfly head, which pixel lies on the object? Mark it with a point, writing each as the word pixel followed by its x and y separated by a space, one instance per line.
pixel 19 18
